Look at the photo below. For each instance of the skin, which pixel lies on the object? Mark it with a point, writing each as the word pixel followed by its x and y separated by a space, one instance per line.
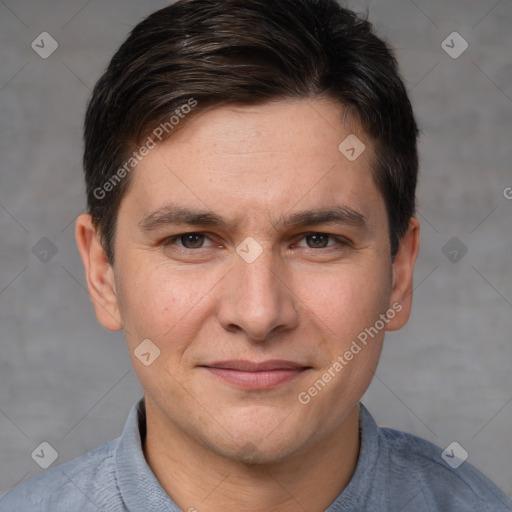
pixel 211 444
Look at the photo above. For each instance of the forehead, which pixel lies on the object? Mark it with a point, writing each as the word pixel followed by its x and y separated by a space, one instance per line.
pixel 294 126
pixel 264 158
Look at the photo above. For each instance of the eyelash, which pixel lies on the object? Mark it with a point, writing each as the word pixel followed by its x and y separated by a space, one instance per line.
pixel 341 242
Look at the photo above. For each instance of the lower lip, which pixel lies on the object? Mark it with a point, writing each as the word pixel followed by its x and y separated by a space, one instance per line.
pixel 256 380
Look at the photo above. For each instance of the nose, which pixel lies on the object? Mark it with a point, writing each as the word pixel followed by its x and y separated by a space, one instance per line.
pixel 256 300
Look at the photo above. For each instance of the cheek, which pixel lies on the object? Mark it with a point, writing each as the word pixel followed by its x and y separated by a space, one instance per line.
pixel 157 302
pixel 348 299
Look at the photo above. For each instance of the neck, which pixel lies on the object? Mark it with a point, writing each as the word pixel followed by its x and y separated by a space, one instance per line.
pixel 199 480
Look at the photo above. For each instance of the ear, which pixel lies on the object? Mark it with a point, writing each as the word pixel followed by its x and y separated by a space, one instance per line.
pixel 99 273
pixel 403 270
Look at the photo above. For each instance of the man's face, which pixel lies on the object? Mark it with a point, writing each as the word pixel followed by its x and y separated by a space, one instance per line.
pixel 248 316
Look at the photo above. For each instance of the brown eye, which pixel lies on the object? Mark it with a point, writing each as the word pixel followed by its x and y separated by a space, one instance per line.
pixel 325 241
pixel 317 240
pixel 192 240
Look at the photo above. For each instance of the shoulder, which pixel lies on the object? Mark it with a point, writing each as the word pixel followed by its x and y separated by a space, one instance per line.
pixel 418 464
pixel 87 483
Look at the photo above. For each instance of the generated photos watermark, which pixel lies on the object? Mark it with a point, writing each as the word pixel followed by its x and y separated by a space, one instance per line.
pixel 304 397
pixel 157 135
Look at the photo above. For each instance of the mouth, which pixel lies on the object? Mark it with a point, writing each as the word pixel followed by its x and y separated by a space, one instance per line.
pixel 256 375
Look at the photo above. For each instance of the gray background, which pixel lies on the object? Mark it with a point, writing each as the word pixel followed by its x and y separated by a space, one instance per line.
pixel 445 377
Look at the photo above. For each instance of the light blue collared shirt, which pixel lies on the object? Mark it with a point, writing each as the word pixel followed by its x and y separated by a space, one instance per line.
pixel 396 472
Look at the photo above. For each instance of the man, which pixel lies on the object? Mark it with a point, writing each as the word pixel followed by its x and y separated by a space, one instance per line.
pixel 251 169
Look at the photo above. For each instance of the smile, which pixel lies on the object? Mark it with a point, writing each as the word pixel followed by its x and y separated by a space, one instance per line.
pixel 256 376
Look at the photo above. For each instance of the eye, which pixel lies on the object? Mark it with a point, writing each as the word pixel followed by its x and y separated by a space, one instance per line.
pixel 321 241
pixel 187 241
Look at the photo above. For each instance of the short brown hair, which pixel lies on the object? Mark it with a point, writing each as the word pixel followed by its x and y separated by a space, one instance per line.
pixel 219 52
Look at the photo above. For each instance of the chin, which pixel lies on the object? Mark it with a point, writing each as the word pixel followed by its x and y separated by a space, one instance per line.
pixel 260 438
pixel 255 454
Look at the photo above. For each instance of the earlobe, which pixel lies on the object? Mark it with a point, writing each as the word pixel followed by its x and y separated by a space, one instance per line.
pixel 403 270
pixel 99 273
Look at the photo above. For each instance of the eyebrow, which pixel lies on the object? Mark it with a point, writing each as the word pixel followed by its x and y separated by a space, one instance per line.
pixel 176 215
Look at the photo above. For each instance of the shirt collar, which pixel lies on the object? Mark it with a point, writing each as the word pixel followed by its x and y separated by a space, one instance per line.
pixel 140 490
pixel 355 494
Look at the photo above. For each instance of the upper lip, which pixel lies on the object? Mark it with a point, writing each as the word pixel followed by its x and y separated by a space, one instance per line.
pixel 250 366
